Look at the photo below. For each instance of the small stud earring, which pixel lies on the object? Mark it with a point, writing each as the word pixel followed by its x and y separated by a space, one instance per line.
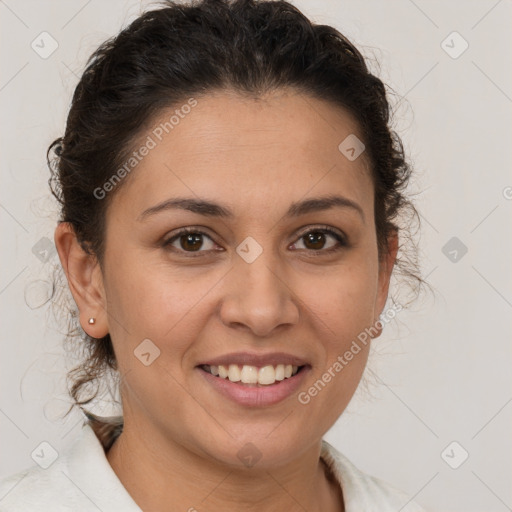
pixel 92 320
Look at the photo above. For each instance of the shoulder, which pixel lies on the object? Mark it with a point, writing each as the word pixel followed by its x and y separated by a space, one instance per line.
pixel 81 478
pixel 38 489
pixel 362 491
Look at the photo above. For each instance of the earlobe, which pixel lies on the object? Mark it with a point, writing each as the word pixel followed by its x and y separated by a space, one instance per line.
pixel 85 280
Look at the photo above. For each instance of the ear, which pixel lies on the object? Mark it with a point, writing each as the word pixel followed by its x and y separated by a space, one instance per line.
pixel 85 280
pixel 386 264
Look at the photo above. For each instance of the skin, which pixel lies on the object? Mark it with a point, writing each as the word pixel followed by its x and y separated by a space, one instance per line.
pixel 256 156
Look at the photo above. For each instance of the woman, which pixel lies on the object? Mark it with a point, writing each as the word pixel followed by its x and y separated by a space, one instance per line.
pixel 230 191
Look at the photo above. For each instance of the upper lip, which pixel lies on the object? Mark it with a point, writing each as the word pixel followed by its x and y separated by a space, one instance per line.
pixel 259 360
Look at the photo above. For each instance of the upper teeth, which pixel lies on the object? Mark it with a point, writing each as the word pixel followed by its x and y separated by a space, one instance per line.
pixel 252 374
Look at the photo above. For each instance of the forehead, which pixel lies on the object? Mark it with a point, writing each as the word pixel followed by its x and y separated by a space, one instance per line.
pixel 259 152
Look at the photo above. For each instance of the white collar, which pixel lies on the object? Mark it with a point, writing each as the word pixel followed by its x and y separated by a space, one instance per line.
pixel 82 478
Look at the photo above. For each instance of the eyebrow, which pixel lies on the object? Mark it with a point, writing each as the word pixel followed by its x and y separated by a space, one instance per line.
pixel 211 209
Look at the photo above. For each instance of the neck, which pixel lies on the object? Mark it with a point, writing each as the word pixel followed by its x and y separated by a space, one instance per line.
pixel 156 477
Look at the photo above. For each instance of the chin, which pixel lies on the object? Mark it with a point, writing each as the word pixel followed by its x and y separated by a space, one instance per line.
pixel 258 451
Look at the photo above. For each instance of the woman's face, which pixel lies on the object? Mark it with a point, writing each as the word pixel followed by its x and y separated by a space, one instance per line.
pixel 281 279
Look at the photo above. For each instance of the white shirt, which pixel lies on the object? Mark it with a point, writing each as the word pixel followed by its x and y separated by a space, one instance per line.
pixel 82 480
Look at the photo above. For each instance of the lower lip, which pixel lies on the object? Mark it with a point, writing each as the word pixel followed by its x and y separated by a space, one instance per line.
pixel 256 396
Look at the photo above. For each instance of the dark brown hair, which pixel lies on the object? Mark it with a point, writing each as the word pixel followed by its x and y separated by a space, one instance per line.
pixel 177 51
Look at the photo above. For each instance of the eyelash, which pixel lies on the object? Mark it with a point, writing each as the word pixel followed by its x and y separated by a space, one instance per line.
pixel 341 239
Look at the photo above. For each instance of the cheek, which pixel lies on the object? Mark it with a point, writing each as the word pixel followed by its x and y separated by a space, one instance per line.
pixel 158 303
pixel 341 308
pixel 344 300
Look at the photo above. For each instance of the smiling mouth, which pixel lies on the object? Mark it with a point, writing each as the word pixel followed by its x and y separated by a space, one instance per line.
pixel 253 376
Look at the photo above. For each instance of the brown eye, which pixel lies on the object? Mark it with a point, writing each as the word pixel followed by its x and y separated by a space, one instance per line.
pixel 317 240
pixel 189 240
pixel 314 240
pixel 192 241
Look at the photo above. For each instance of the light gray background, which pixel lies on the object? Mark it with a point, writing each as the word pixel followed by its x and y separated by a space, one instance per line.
pixel 442 372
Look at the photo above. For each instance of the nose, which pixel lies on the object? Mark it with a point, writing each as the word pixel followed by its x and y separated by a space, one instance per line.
pixel 259 297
